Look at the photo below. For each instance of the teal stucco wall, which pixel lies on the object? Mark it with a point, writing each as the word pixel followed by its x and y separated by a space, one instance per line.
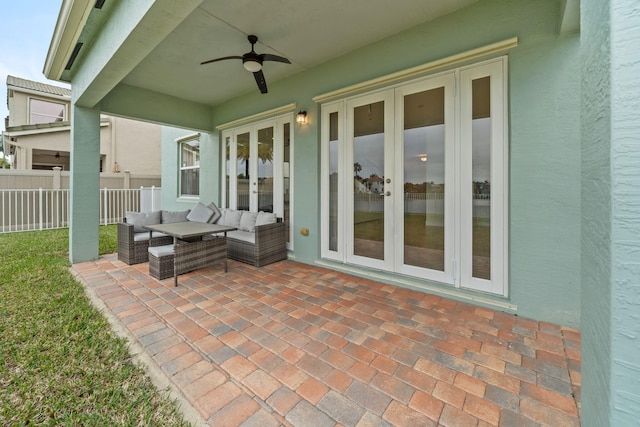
pixel 625 212
pixel 544 122
pixel 610 212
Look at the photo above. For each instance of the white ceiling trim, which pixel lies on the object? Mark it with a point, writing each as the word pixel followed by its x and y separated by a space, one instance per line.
pixel 259 116
pixel 492 49
pixel 570 16
pixel 71 20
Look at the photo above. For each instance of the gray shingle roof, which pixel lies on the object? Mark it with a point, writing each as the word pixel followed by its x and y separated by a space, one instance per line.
pixel 40 87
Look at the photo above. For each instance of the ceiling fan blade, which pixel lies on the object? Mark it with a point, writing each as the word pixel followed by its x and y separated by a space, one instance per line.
pixel 276 58
pixel 262 84
pixel 221 59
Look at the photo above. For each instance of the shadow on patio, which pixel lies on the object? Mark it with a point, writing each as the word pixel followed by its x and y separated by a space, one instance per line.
pixel 293 344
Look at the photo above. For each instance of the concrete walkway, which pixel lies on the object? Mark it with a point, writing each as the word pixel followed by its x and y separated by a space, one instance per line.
pixel 296 345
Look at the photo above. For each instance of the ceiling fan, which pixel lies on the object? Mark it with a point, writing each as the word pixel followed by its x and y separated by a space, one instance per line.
pixel 252 62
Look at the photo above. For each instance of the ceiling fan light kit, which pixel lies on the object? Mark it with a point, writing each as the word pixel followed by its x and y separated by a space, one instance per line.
pixel 253 61
pixel 252 65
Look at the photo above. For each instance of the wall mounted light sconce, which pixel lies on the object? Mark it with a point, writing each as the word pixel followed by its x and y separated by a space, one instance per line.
pixel 57 155
pixel 301 117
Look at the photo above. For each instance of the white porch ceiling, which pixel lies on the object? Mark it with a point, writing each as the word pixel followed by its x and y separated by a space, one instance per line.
pixel 308 33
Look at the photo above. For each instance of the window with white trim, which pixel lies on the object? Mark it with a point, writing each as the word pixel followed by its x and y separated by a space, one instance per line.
pixel 189 166
pixel 41 111
pixel 414 178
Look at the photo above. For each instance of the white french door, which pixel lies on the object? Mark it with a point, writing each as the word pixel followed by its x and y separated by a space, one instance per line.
pixel 414 179
pixel 256 167
pixel 369 197
pixel 425 178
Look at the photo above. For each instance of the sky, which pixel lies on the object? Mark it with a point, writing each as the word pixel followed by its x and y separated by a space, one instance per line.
pixel 25 35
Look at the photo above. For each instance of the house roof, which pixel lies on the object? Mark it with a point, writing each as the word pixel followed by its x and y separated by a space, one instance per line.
pixel 17 82
pixel 39 126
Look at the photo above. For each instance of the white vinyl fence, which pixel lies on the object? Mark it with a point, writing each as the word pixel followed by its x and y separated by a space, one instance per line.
pixel 45 209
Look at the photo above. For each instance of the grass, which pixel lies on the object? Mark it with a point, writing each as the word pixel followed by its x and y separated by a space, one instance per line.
pixel 59 361
pixel 370 226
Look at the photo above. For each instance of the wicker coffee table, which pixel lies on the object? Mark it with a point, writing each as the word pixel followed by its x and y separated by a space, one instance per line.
pixel 190 250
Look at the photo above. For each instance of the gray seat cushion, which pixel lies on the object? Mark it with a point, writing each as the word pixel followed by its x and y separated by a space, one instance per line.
pixel 244 236
pixel 160 251
pixel 140 237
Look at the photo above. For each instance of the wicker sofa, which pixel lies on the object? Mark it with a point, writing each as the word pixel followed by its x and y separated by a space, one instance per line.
pixel 134 241
pixel 260 238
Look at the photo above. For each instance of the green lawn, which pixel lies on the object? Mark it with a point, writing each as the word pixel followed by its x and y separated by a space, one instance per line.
pixel 60 364
pixel 370 226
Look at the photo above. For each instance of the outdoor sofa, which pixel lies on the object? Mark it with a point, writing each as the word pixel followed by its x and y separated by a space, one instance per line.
pixel 260 238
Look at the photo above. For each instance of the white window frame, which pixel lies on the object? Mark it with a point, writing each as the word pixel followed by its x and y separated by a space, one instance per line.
pixel 497 70
pixel 48 101
pixel 327 110
pixel 458 256
pixel 180 143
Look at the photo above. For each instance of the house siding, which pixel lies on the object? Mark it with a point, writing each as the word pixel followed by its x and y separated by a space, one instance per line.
pixel 544 86
pixel 121 139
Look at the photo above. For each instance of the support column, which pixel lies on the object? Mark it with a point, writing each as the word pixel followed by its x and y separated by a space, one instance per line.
pixel 85 184
pixel 625 212
pixel 610 39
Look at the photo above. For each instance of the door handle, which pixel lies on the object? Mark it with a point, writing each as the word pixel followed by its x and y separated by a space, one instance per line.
pixel 387 193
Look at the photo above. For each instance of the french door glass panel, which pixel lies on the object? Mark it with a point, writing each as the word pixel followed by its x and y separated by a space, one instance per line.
pixel 368 173
pixel 243 161
pixel 334 173
pixel 424 179
pixel 227 168
pixel 286 179
pixel 481 177
pixel 368 181
pixel 263 186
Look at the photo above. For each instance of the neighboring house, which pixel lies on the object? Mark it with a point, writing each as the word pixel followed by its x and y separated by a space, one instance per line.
pixel 537 99
pixel 38 132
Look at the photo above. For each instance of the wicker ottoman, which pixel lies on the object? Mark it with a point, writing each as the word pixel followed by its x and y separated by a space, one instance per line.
pixel 161 261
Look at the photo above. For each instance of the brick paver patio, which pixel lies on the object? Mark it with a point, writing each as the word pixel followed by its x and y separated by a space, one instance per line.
pixel 297 345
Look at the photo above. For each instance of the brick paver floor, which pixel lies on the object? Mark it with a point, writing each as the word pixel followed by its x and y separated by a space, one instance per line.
pixel 298 345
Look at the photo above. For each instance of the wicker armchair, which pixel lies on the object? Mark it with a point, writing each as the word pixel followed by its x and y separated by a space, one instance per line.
pixel 270 245
pixel 131 251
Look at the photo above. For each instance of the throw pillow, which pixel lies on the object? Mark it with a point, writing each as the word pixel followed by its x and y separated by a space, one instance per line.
pixel 169 217
pixel 216 213
pixel 200 213
pixel 140 219
pixel 221 219
pixel 232 218
pixel 266 218
pixel 248 221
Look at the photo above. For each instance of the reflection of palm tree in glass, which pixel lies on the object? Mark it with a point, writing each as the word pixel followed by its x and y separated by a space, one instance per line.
pixel 357 167
pixel 265 153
